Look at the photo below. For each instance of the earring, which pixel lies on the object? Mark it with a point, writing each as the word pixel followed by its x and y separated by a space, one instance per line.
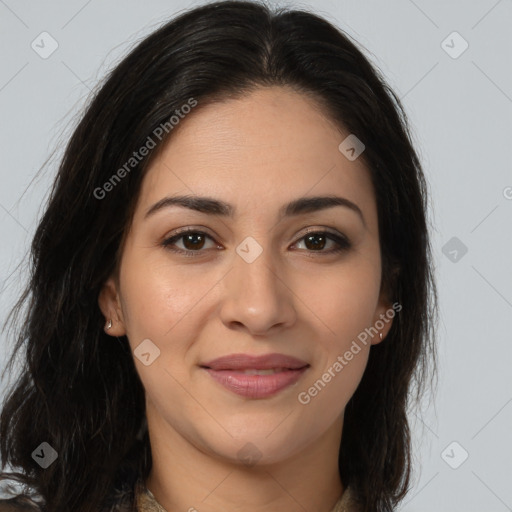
pixel 109 325
pixel 380 334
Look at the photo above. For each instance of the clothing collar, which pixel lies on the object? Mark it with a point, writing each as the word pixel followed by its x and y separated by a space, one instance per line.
pixel 146 502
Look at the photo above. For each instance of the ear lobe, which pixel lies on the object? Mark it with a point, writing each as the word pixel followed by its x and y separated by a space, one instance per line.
pixel 382 321
pixel 110 306
pixel 386 310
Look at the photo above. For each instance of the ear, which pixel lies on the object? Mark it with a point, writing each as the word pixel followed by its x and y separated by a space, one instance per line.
pixel 383 318
pixel 110 306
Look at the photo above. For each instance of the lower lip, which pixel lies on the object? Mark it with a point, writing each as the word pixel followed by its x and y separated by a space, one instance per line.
pixel 256 386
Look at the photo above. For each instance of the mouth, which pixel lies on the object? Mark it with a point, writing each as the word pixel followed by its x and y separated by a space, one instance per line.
pixel 253 376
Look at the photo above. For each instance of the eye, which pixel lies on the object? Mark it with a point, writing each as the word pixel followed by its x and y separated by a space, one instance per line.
pixel 315 241
pixel 194 240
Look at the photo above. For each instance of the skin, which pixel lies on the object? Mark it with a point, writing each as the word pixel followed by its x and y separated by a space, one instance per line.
pixel 256 153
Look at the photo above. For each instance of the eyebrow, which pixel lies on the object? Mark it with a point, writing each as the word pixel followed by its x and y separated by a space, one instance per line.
pixel 212 206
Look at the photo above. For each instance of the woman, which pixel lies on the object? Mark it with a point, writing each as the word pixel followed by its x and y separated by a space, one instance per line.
pixel 232 287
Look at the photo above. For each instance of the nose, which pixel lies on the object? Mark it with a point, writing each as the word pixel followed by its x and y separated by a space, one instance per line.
pixel 257 297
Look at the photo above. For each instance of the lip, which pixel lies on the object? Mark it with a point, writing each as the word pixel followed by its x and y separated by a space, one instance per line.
pixel 249 362
pixel 228 371
pixel 256 386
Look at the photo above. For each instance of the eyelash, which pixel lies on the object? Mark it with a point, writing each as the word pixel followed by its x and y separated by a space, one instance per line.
pixel 341 241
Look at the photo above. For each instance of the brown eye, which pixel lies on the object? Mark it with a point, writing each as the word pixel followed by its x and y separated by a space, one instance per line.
pixel 193 242
pixel 316 242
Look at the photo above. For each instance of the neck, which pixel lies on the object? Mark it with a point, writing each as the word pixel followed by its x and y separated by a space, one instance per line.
pixel 186 478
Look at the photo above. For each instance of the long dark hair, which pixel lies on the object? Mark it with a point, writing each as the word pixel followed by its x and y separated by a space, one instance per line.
pixel 79 390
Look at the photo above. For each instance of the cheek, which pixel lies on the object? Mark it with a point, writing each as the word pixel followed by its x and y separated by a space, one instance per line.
pixel 157 297
pixel 343 300
pixel 324 397
pixel 337 373
pixel 164 303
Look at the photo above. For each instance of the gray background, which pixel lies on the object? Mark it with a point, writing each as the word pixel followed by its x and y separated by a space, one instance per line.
pixel 461 112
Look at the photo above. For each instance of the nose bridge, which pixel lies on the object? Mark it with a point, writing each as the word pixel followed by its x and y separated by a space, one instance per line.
pixel 256 295
pixel 256 272
pixel 256 268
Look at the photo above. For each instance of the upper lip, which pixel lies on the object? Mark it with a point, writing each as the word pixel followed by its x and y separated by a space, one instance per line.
pixel 248 362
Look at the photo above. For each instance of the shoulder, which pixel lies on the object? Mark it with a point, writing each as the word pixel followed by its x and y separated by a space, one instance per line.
pixel 13 505
pixel 346 503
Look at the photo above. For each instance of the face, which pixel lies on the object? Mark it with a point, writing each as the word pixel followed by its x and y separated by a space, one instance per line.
pixel 255 280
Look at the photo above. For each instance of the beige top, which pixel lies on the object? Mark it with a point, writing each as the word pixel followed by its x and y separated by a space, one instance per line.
pixel 146 502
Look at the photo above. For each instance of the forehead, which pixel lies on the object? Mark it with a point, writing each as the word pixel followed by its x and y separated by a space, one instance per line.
pixel 259 151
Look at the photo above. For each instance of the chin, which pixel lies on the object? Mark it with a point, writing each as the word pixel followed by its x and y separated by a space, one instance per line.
pixel 259 449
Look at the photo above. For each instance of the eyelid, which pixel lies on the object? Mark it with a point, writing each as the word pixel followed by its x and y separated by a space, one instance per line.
pixel 203 229
pixel 322 229
pixel 188 229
